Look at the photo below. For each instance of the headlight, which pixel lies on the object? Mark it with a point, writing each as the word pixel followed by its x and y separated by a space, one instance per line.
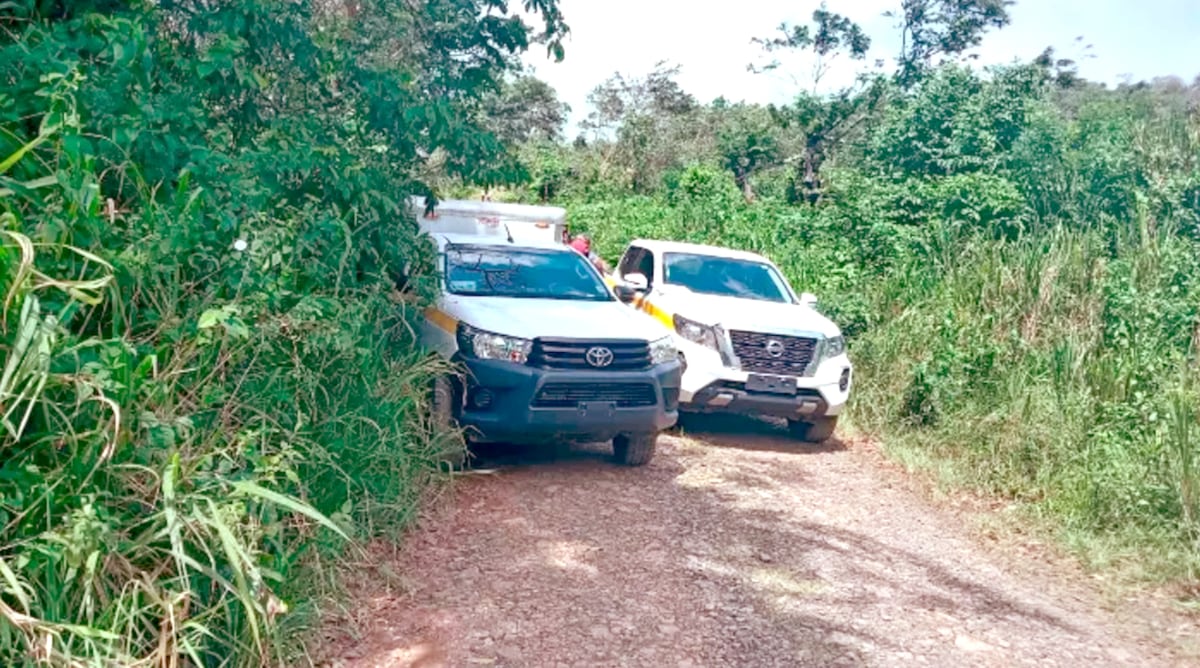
pixel 485 345
pixel 663 350
pixel 695 332
pixel 832 347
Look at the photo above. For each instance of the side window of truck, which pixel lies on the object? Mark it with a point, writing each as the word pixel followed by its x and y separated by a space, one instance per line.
pixel 630 261
pixel 645 265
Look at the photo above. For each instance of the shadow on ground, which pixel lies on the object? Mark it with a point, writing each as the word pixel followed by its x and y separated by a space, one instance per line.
pixel 707 555
pixel 491 456
pixel 750 433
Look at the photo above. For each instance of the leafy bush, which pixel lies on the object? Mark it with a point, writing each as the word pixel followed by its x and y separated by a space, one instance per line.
pixel 1014 264
pixel 209 379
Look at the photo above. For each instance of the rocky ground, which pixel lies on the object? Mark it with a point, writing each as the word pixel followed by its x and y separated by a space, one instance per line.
pixel 735 547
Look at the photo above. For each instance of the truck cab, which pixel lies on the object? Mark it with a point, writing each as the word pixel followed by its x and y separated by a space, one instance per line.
pixel 750 345
pixel 548 351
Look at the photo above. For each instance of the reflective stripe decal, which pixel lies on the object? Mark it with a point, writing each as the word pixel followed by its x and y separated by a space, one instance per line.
pixel 643 304
pixel 655 312
pixel 442 320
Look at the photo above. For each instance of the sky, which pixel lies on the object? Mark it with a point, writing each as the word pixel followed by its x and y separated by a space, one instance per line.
pixel 1130 39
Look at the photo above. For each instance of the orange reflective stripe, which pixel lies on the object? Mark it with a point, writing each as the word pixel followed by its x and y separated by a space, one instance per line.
pixel 655 312
pixel 442 320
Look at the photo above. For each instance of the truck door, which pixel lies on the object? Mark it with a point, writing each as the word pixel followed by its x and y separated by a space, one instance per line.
pixel 438 330
pixel 639 260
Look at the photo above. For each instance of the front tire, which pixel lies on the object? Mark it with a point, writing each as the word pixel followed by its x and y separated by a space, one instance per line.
pixel 441 409
pixel 816 430
pixel 634 449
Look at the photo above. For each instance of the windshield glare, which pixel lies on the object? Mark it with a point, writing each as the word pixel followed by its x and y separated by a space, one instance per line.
pixel 489 271
pixel 727 277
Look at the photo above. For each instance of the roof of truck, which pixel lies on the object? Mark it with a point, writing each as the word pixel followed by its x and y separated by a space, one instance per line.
pixel 496 240
pixel 524 212
pixel 659 246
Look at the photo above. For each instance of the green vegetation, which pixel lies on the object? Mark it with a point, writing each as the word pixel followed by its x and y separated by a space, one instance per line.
pixel 1014 254
pixel 206 381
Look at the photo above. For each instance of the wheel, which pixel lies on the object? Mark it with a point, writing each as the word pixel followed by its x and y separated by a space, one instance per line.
pixel 817 430
pixel 441 409
pixel 634 449
pixel 441 403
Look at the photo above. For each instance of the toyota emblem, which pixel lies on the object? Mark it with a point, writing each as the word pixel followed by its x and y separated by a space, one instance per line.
pixel 775 348
pixel 599 357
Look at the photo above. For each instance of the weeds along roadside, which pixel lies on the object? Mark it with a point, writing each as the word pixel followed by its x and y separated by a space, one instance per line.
pixel 187 424
pixel 1013 259
pixel 1054 375
pixel 1055 370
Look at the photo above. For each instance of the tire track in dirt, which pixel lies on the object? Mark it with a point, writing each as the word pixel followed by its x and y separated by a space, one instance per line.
pixel 734 547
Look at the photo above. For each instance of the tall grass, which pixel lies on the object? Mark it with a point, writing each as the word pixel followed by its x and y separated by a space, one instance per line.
pixel 178 443
pixel 1056 370
pixel 1018 276
pixel 1055 373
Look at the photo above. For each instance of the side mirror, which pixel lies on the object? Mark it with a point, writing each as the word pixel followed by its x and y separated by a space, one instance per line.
pixel 808 299
pixel 637 282
pixel 625 293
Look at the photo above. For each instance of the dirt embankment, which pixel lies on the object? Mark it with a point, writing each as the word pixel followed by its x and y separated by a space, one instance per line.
pixel 734 547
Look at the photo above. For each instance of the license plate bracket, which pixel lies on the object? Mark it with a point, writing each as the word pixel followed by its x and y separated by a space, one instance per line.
pixel 597 409
pixel 771 384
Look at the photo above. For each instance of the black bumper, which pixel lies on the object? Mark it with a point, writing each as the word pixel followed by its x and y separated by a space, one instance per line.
pixel 528 404
pixel 730 397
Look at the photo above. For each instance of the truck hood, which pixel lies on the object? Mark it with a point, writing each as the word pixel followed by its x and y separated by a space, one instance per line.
pixel 750 314
pixel 559 318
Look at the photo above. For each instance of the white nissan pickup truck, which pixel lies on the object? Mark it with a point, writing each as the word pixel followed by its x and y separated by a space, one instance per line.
pixel 749 344
pixel 548 351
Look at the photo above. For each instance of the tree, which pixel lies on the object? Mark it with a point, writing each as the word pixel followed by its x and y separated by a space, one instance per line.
pixel 409 77
pixel 958 122
pixel 933 28
pixel 1064 71
pixel 641 124
pixel 747 143
pixel 830 35
pixel 620 98
pixel 823 121
pixel 525 109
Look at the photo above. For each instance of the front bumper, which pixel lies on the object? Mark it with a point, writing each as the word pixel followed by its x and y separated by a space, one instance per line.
pixel 732 397
pixel 711 387
pixel 513 410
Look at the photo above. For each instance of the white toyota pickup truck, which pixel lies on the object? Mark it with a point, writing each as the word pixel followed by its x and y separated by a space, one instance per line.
pixel 549 352
pixel 749 344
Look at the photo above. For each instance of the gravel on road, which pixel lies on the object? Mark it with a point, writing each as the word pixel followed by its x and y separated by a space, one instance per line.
pixel 735 546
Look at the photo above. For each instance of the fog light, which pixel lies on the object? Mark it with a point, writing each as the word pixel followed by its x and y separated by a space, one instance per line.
pixel 671 398
pixel 844 383
pixel 482 399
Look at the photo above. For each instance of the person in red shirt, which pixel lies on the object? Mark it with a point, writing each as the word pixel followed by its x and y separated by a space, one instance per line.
pixel 583 245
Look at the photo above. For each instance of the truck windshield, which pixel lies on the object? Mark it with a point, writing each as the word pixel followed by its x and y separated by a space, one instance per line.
pixel 728 277
pixel 534 273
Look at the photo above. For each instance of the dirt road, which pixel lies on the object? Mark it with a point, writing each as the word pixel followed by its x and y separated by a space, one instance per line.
pixel 729 549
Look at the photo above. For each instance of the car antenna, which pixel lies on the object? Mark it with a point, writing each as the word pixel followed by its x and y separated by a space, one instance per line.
pixel 508 232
